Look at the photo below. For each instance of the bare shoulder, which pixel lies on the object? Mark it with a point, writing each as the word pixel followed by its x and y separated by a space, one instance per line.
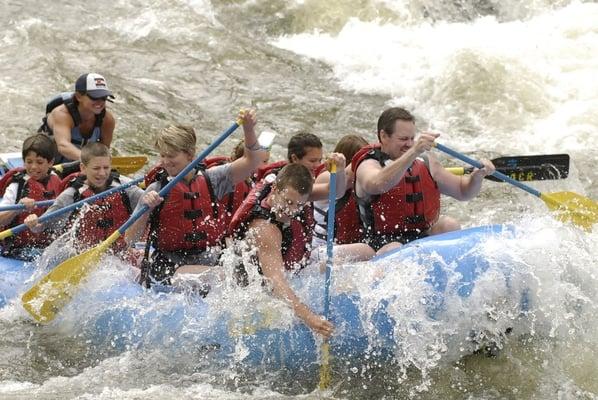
pixel 109 117
pixel 368 166
pixel 60 115
pixel 264 232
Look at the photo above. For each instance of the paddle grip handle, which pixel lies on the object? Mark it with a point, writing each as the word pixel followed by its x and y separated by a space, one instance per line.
pixel 478 164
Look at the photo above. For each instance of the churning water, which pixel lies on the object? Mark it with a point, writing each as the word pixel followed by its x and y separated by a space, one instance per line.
pixel 496 77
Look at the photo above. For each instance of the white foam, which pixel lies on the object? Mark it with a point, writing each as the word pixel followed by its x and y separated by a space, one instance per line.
pixel 526 84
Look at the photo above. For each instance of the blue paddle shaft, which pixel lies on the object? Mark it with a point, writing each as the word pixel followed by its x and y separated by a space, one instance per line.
pixel 143 209
pixel 496 174
pixel 329 241
pixel 39 204
pixel 20 228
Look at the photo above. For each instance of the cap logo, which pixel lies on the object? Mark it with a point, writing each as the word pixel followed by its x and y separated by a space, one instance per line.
pixel 100 82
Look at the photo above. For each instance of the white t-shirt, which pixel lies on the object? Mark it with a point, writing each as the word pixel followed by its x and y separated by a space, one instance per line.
pixel 10 195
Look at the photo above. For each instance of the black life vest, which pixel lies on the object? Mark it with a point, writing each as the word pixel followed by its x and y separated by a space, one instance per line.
pixel 78 139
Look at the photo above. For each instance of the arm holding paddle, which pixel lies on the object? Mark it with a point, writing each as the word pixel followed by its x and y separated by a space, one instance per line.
pixel 464 187
pixel 9 198
pixel 322 188
pixel 173 162
pixel 375 179
pixel 244 166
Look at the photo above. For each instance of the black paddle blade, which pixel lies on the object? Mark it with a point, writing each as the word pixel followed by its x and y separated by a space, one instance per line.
pixel 532 168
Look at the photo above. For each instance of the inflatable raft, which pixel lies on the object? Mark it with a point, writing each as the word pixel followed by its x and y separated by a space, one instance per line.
pixel 427 284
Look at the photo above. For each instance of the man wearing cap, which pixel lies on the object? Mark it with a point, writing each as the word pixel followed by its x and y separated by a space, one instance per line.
pixel 75 119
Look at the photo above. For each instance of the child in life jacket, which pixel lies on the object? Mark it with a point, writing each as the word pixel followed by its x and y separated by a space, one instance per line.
pixel 27 185
pixel 95 222
pixel 188 225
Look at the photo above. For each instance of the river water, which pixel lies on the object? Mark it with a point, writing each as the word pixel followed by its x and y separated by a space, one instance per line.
pixel 495 77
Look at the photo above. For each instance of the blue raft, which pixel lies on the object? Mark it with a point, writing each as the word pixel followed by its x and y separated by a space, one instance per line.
pixel 125 316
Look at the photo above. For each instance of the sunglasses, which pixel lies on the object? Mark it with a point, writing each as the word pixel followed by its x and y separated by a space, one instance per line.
pixel 103 98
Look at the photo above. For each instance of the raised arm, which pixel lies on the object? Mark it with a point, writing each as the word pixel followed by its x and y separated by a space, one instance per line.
pixel 243 167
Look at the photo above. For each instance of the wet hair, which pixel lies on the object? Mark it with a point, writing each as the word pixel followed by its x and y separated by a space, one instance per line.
pixel 349 145
pixel 93 150
pixel 238 151
pixel 295 176
pixel 40 144
pixel 387 119
pixel 300 142
pixel 175 138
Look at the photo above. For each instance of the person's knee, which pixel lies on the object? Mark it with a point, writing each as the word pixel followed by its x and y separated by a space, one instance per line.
pixel 445 224
pixel 388 247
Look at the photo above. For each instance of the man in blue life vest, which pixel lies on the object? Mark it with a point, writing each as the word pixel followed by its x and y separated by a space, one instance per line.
pixel 398 187
pixel 75 119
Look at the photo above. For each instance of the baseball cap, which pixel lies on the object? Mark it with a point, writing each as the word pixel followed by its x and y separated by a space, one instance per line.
pixel 94 85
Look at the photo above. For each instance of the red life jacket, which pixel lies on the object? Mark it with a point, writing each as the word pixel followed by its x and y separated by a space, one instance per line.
pixel 296 237
pixel 231 201
pixel 347 226
pixel 268 169
pixel 47 189
pixel 413 205
pixel 214 161
pixel 103 216
pixel 190 218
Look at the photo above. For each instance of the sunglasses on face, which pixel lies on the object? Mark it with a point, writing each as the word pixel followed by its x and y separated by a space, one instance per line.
pixel 103 98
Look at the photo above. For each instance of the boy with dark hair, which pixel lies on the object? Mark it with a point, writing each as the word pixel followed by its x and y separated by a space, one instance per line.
pixel 34 182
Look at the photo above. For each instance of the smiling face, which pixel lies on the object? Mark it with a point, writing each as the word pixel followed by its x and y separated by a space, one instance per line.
pixel 37 167
pixel 175 161
pixel 90 103
pixel 312 159
pixel 97 171
pixel 400 140
pixel 286 203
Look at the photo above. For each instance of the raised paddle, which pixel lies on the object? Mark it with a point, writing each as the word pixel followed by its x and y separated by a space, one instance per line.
pixel 46 217
pixel 526 168
pixel 47 297
pixel 325 373
pixel 569 206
